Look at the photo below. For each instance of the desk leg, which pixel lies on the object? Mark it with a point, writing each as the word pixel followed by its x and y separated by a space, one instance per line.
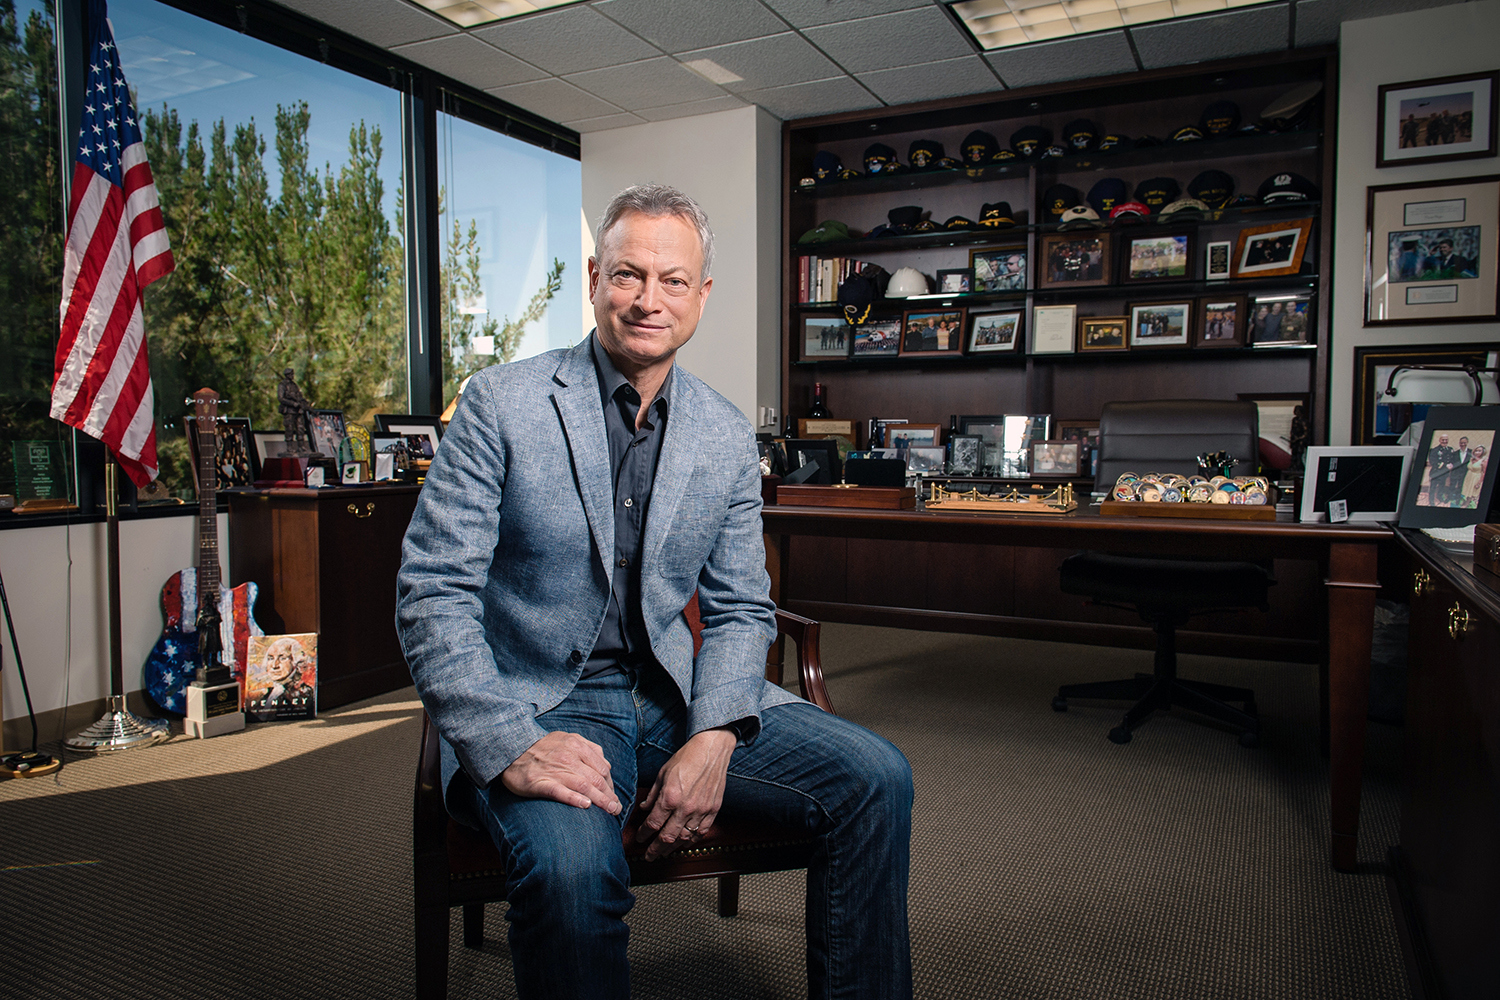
pixel 1351 586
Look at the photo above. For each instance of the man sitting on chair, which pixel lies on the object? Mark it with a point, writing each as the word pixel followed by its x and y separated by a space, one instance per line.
pixel 579 500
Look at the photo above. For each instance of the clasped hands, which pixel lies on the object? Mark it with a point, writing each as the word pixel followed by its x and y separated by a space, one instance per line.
pixel 680 807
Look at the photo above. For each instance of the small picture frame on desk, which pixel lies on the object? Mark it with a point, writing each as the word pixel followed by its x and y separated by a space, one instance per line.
pixel 1453 481
pixel 967 454
pixel 427 426
pixel 1054 458
pixel 924 461
pixel 902 436
pixel 1369 481
pixel 268 444
pixel 326 429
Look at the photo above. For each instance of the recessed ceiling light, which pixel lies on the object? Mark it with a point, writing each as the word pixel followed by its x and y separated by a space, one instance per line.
pixel 713 72
pixel 999 24
pixel 468 13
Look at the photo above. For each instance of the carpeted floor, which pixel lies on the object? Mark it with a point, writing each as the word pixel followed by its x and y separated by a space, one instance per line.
pixel 1047 861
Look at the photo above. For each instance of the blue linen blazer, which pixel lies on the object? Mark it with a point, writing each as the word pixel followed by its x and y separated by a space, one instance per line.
pixel 504 577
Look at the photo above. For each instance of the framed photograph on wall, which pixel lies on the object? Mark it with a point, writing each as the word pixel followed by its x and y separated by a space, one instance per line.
pixel 999 269
pixel 1279 319
pixel 1445 118
pixel 932 333
pixel 877 339
pixel 995 332
pixel 1453 478
pixel 1271 251
pixel 1158 257
pixel 1161 324
pixel 1378 421
pixel 1074 260
pixel 825 337
pixel 1432 252
pixel 1221 321
pixel 1103 333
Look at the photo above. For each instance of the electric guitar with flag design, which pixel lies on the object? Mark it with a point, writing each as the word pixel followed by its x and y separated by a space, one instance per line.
pixel 204 618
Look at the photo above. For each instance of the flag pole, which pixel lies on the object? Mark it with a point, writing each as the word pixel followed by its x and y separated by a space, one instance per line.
pixel 119 728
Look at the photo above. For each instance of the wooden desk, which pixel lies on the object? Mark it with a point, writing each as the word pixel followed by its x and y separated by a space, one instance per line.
pixel 1346 554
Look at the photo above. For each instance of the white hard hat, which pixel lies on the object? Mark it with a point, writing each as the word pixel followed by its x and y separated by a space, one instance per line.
pixel 906 281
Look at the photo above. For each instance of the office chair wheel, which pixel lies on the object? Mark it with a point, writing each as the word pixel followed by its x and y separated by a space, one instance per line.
pixel 1119 735
pixel 1059 704
pixel 1249 739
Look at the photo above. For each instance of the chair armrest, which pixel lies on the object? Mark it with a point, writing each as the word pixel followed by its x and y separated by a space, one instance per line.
pixel 429 813
pixel 806 634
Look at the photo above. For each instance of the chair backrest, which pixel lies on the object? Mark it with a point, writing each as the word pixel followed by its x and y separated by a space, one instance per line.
pixel 1168 435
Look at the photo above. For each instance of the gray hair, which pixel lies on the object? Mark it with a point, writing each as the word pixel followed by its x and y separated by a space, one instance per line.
pixel 655 201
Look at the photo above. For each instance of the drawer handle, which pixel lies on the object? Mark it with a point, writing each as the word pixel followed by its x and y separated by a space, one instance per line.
pixel 1421 583
pixel 1459 621
pixel 369 509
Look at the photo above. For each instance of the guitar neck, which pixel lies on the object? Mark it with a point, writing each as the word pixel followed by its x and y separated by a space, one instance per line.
pixel 208 516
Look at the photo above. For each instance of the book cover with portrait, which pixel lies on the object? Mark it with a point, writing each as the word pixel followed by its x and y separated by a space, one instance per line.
pixel 281 677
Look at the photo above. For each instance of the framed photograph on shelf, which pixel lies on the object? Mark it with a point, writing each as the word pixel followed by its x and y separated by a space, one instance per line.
pixel 1453 481
pixel 903 436
pixel 429 428
pixel 967 454
pixel 1158 257
pixel 877 339
pixel 1218 258
pixel 1161 324
pixel 994 332
pixel 1074 260
pixel 1103 333
pixel 1271 251
pixel 825 337
pixel 932 333
pixel 1446 118
pixel 1377 420
pixel 1279 319
pixel 924 461
pixel 990 429
pixel 1433 252
pixel 999 269
pixel 955 280
pixel 1054 458
pixel 237 462
pixel 1221 321
pixel 1086 433
pixel 1052 329
pixel 326 429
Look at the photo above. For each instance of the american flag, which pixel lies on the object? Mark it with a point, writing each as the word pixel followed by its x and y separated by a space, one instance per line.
pixel 117 245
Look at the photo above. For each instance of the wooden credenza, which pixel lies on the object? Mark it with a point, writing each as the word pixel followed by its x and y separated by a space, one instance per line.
pixel 326 562
pixel 1447 866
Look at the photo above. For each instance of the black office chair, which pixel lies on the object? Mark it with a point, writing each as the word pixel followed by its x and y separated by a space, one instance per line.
pixel 1167 436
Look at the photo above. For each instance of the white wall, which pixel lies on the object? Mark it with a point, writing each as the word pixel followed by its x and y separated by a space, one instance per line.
pixel 1441 41
pixel 730 162
pixel 52 606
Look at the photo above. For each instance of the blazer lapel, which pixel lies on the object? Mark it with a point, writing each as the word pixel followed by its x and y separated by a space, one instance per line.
pixel 577 401
pixel 674 466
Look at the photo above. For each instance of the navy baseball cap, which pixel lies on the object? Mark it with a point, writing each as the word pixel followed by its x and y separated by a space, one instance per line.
pixel 1081 135
pixel 905 218
pixel 923 154
pixel 960 222
pixel 1106 194
pixel 1114 142
pixel 1058 199
pixel 1188 133
pixel 978 147
pixel 1157 192
pixel 1030 140
pixel 1214 187
pixel 826 166
pixel 880 159
pixel 1220 118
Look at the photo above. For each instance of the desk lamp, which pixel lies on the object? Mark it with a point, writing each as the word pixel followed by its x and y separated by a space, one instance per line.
pixel 1439 385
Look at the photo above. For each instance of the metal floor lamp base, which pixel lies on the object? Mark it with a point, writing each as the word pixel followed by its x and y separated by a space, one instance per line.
pixel 119 729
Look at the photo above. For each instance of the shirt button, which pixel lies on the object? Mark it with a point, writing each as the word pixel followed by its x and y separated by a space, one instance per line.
pixel 629 502
pixel 576 656
pixel 623 562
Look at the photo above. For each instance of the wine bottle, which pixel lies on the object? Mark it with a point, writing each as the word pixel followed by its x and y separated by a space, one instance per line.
pixel 819 408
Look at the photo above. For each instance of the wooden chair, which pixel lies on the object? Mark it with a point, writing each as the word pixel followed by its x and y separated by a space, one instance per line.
pixel 455 866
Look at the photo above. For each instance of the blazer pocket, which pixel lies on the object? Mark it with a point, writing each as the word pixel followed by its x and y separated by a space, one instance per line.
pixel 691 535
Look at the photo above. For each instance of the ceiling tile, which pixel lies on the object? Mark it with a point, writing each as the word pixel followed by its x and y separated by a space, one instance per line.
pixel 470 61
pixel 608 121
pixel 777 61
pixel 650 83
pixel 555 99
pixel 708 107
pixel 931 81
pixel 1318 20
pixel 568 40
pixel 906 38
pixel 1217 36
pixel 679 25
pixel 1069 59
pixel 380 22
pixel 806 13
pixel 821 97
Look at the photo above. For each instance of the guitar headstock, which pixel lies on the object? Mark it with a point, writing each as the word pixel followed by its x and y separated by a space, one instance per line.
pixel 205 410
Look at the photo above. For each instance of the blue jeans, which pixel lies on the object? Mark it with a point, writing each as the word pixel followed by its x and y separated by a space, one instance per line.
pixel 569 885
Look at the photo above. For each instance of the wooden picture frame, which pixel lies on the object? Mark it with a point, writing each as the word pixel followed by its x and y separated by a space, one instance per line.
pixel 1075 259
pixel 1161 325
pixel 1424 121
pixel 955 281
pixel 999 269
pixel 1271 251
pixel 913 435
pixel 1436 495
pixel 1158 256
pixel 876 339
pixel 1222 321
pixel 1410 279
pixel 825 337
pixel 1055 458
pixel 932 333
pixel 1379 422
pixel 997 332
pixel 1103 333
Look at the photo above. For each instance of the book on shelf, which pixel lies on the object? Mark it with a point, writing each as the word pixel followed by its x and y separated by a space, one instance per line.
pixel 818 278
